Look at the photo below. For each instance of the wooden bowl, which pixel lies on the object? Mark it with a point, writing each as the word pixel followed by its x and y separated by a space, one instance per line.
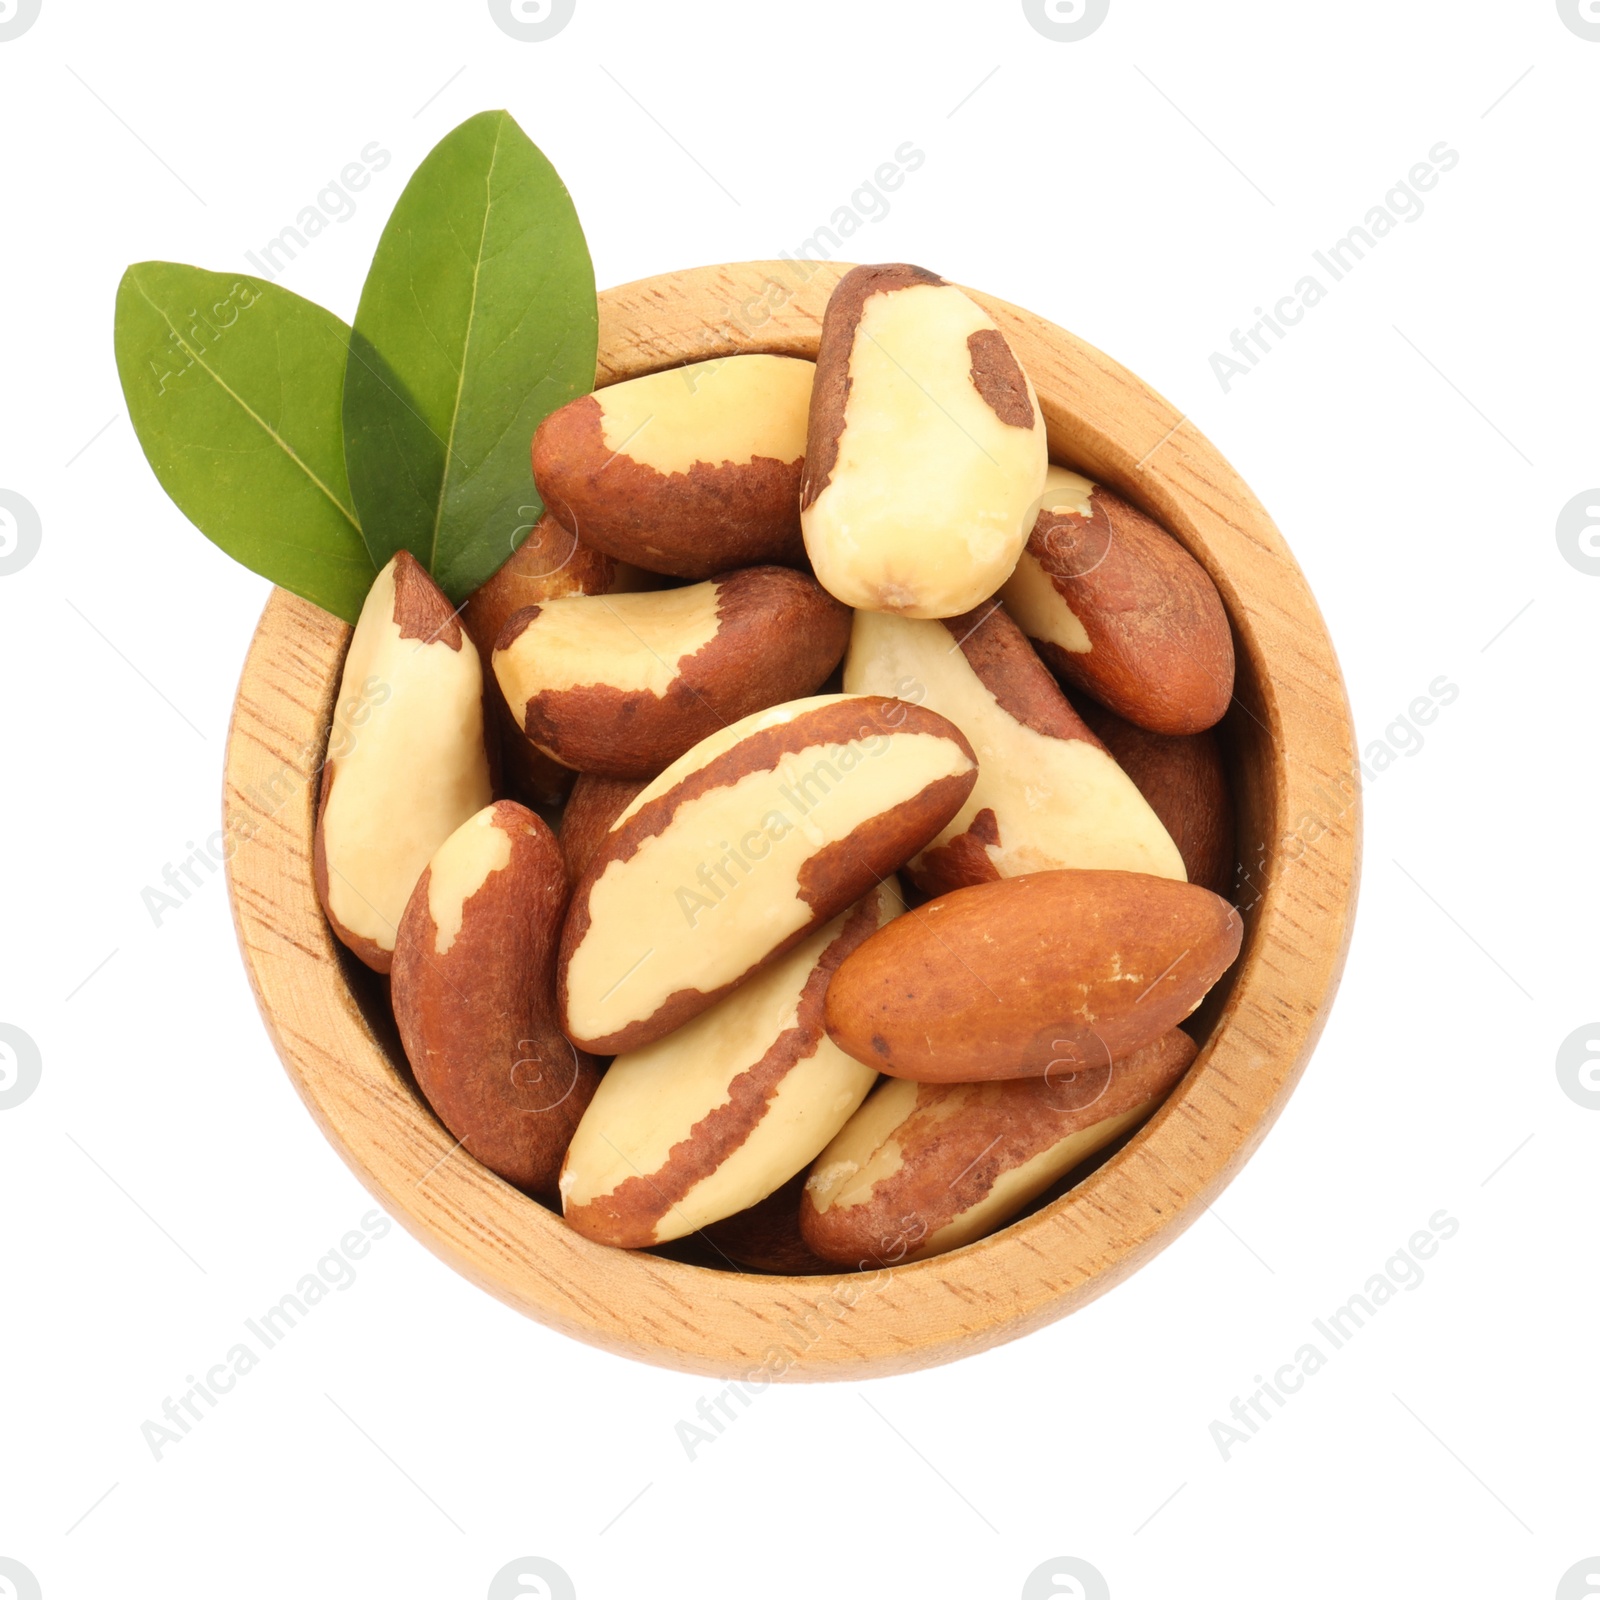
pixel 1292 753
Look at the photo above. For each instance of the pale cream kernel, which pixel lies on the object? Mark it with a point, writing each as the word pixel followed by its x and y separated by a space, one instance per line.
pixel 459 869
pixel 416 771
pixel 724 412
pixel 631 642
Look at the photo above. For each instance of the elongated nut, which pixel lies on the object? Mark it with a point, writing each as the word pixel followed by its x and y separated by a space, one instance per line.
pixel 926 451
pixel 740 848
pixel 406 762
pixel 690 472
pixel 549 564
pixel 714 1117
pixel 1048 795
pixel 1118 608
pixel 1183 777
pixel 594 804
pixel 923 1168
pixel 473 985
pixel 623 684
pixel 1048 973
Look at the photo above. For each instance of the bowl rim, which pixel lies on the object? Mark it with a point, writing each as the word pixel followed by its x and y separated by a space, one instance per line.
pixel 754 1328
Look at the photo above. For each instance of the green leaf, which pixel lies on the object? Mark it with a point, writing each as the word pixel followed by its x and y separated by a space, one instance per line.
pixel 477 320
pixel 233 386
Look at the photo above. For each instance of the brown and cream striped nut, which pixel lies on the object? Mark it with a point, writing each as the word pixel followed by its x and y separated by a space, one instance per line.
pixel 689 472
pixel 1118 608
pixel 623 684
pixel 1048 794
pixel 714 1117
pixel 741 848
pixel 1183 777
pixel 926 451
pixel 549 564
pixel 594 804
pixel 1045 974
pixel 473 985
pixel 923 1168
pixel 406 760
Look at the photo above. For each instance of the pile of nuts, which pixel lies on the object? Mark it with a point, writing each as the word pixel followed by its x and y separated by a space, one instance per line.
pixel 781 660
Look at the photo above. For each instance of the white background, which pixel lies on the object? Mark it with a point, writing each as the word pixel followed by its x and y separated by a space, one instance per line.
pixel 1415 438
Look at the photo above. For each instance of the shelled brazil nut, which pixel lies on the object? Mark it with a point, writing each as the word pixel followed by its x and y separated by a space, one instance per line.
pixel 407 766
pixel 473 985
pixel 1053 971
pixel 925 450
pixel 623 684
pixel 711 1119
pixel 740 848
pixel 923 1168
pixel 688 472
pixel 1118 608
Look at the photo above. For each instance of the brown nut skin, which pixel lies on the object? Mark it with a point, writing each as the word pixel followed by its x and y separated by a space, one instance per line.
pixel 681 663
pixel 549 564
pixel 1186 783
pixel 594 804
pixel 734 854
pixel 406 761
pixel 600 465
pixel 1049 972
pixel 1119 609
pixel 927 1167
pixel 475 1002
pixel 766 1237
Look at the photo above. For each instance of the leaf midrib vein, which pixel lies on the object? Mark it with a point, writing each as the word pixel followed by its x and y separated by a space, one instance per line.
pixel 466 350
pixel 245 406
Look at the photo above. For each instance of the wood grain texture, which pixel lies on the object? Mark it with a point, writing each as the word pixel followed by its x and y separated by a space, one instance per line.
pixel 1291 752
